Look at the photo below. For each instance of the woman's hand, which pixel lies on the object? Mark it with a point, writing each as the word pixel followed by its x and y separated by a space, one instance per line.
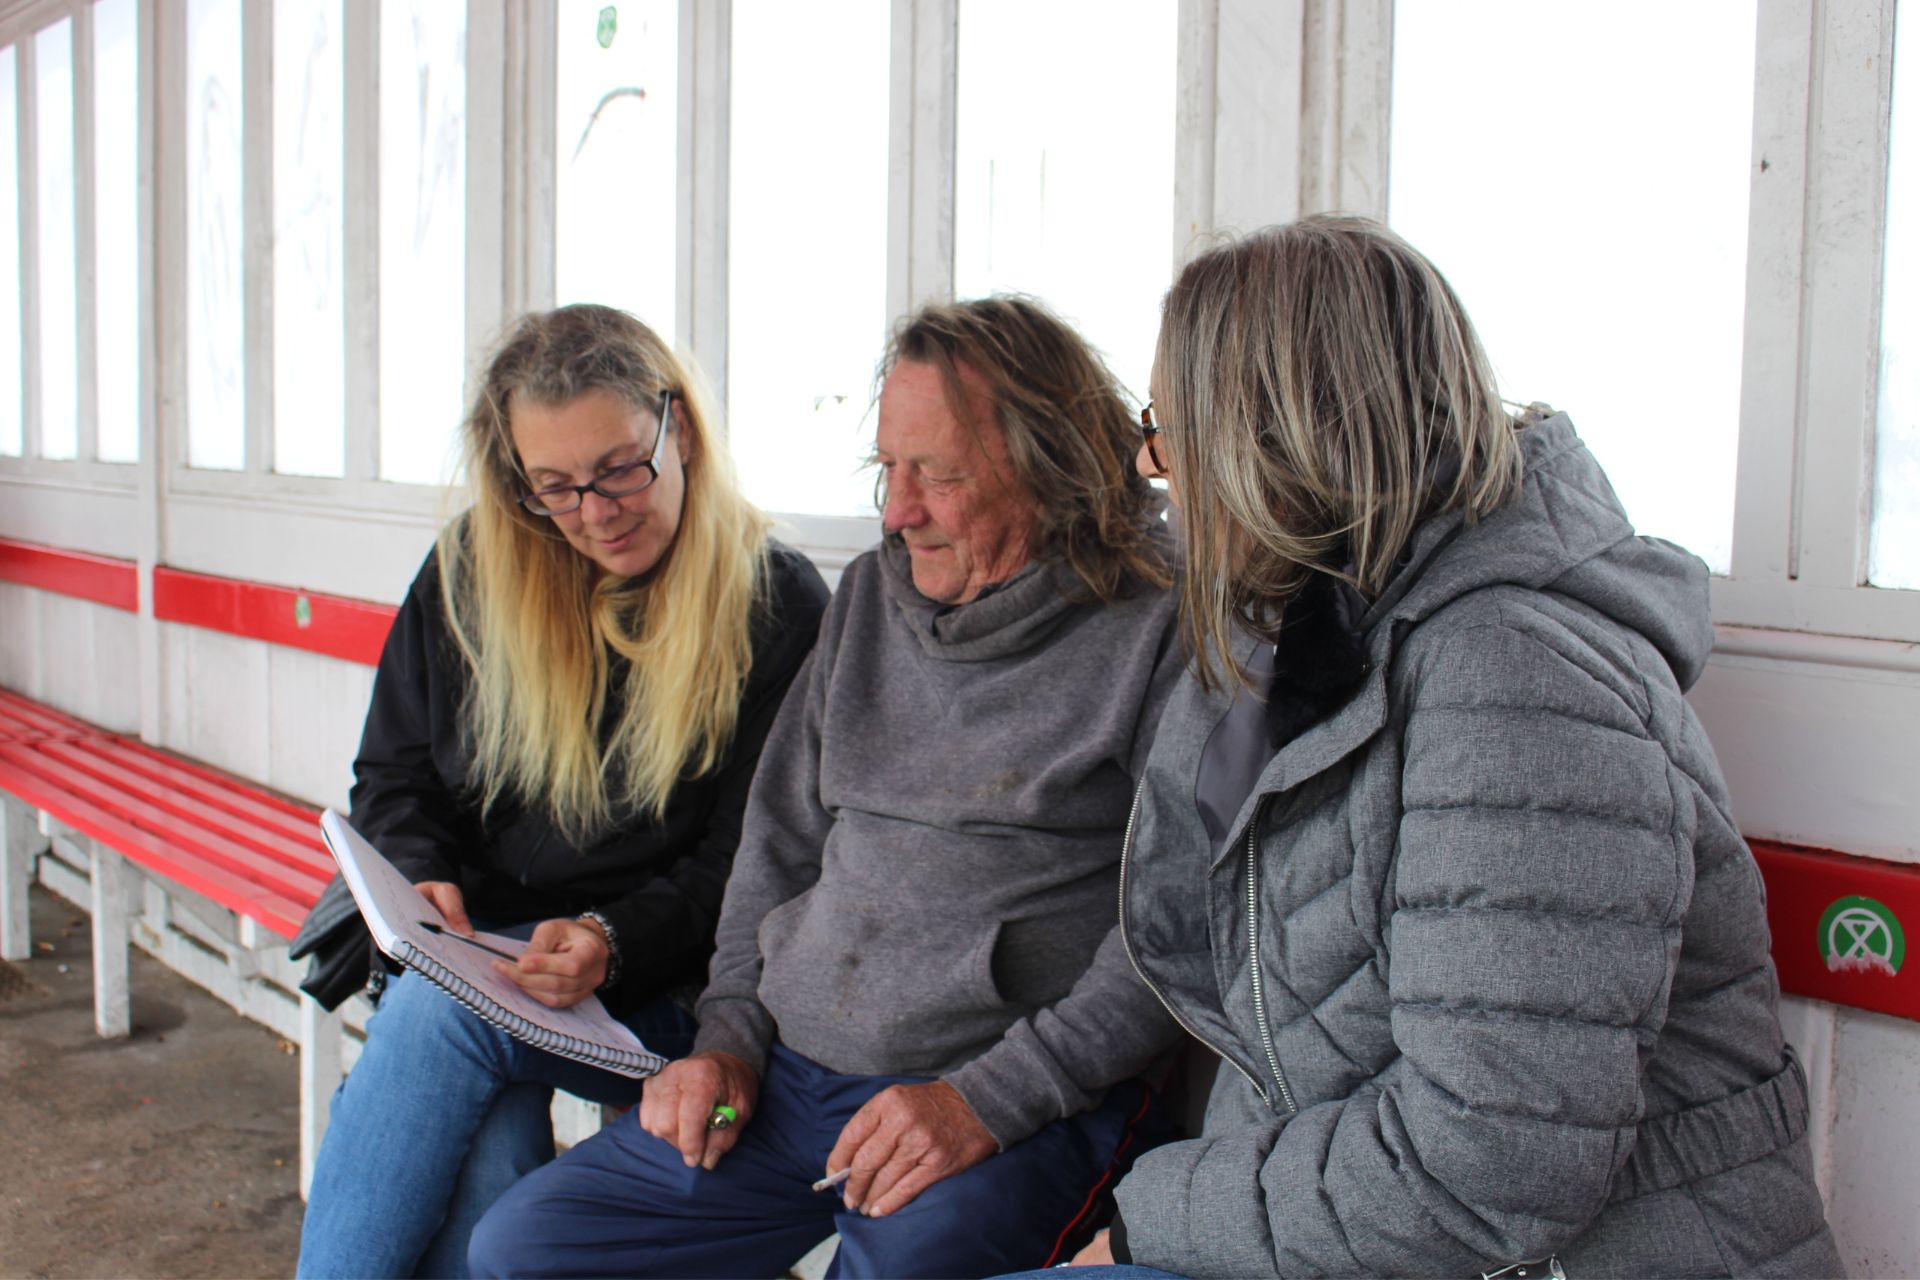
pixel 446 899
pixel 1098 1253
pixel 678 1102
pixel 565 961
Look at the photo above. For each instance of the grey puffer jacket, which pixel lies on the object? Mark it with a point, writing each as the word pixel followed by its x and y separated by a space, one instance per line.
pixel 1485 953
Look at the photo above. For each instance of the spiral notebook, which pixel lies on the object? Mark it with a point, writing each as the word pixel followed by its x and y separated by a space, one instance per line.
pixel 402 921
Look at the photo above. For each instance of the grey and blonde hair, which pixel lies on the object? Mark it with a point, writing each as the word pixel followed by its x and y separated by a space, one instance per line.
pixel 1321 392
pixel 539 625
pixel 1069 433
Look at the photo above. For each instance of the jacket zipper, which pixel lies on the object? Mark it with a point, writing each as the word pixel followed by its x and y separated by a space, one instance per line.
pixel 1253 953
pixel 1126 941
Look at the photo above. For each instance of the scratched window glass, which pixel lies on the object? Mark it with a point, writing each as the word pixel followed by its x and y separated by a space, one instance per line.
pixel 216 386
pixel 309 320
pixel 1894 558
pixel 1063 173
pixel 12 391
pixel 1598 237
pixel 54 241
pixel 116 230
pixel 807 287
pixel 616 138
pixel 423 236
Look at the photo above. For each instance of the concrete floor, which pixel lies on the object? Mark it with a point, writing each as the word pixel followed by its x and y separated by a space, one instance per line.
pixel 171 1153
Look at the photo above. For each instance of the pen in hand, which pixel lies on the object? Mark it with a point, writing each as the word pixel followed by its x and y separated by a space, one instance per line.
pixel 445 932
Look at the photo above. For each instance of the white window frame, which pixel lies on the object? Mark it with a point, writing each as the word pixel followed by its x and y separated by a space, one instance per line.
pixel 1282 108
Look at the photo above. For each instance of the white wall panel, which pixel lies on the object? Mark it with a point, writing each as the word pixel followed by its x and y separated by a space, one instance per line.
pixel 364 555
pixel 1876 1144
pixel 317 706
pixel 71 513
pixel 217 699
pixel 1809 1027
pixel 21 653
pixel 91 663
pixel 1817 754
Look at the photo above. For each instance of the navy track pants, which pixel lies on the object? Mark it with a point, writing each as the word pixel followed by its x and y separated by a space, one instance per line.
pixel 624 1203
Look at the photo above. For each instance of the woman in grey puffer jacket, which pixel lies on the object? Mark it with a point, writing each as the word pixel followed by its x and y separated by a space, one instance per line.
pixel 1430 849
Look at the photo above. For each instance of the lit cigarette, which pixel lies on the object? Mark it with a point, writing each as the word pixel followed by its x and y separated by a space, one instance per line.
pixel 833 1180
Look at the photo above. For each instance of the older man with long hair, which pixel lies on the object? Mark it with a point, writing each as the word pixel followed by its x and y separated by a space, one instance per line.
pixel 919 1003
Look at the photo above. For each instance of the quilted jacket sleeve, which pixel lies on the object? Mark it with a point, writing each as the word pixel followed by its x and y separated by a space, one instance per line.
pixel 1542 867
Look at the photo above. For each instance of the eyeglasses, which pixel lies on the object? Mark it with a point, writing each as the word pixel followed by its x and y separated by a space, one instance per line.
pixel 622 481
pixel 1150 430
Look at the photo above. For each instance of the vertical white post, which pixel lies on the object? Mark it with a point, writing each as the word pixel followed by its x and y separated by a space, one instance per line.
pixel 19 841
pixel 112 1002
pixel 319 1077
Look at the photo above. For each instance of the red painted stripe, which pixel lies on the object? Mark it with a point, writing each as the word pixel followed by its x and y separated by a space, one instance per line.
pixel 334 625
pixel 1802 884
pixel 1106 1176
pixel 101 579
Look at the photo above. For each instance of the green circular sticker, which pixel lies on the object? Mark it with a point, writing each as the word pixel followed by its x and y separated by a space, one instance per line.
pixel 1859 935
pixel 302 612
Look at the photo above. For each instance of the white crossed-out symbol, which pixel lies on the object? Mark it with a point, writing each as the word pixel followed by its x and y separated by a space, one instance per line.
pixel 1864 930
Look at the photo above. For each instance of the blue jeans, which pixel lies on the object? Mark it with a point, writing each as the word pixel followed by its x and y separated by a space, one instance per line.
pixel 442 1113
pixel 623 1203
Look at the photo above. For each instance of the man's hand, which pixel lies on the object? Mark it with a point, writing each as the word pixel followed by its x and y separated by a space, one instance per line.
pixel 1098 1253
pixel 903 1141
pixel 446 899
pixel 676 1103
pixel 565 961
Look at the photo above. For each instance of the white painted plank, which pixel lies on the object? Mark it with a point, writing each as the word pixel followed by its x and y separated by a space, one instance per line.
pixel 20 843
pixel 112 1003
pixel 320 1075
pixel 1845 238
pixel 1876 1144
pixel 319 705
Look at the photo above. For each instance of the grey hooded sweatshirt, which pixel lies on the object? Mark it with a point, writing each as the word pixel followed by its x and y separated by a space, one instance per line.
pixel 927 873
pixel 1485 953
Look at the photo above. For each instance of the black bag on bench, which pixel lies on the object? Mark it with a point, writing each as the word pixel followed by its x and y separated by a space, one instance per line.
pixel 336 938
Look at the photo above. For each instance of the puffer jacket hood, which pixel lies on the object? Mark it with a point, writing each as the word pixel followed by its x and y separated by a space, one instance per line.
pixel 1565 533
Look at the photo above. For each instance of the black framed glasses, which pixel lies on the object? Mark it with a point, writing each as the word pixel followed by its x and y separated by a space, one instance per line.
pixel 622 481
pixel 1150 431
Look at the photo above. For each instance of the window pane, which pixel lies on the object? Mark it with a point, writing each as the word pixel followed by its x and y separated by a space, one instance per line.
pixel 616 183
pixel 12 401
pixel 1894 560
pixel 116 229
pixel 807 283
pixel 423 235
pixel 1551 207
pixel 59 323
pixel 309 326
pixel 1064 172
pixel 216 376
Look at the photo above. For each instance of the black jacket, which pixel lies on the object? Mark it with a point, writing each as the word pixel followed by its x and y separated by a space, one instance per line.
pixel 658 883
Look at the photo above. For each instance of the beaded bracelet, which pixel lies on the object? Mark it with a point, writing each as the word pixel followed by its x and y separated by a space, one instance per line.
pixel 613 947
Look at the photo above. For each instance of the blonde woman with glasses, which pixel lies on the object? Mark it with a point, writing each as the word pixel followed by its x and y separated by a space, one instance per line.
pixel 1430 848
pixel 563 727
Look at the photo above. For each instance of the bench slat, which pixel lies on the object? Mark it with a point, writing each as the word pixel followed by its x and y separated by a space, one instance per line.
pixel 277 911
pixel 62 788
pixel 301 851
pixel 237 797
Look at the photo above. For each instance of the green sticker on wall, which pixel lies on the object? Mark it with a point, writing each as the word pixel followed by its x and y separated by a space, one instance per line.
pixel 1860 935
pixel 302 612
pixel 609 27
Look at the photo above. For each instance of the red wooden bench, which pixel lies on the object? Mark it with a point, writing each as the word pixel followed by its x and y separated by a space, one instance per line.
pixel 117 801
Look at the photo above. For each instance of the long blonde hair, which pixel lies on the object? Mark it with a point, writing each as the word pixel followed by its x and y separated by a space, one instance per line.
pixel 1321 392
pixel 539 625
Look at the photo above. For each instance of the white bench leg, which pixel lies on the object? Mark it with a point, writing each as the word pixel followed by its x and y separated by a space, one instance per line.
pixel 112 1002
pixel 320 1034
pixel 20 841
